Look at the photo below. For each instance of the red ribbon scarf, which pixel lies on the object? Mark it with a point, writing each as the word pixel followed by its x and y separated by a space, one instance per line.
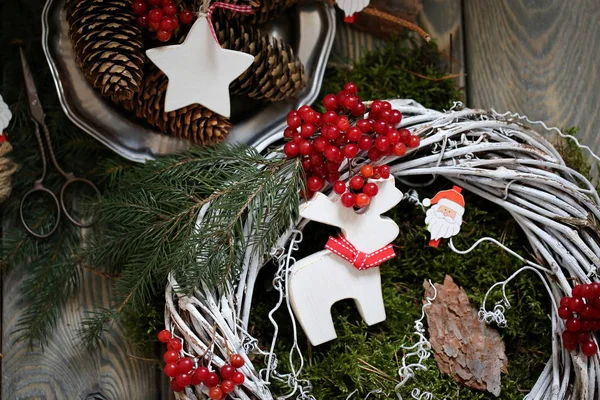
pixel 343 248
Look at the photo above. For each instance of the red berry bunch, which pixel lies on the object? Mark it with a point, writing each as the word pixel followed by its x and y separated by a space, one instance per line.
pixel 581 313
pixel 183 371
pixel 324 141
pixel 160 16
pixel 359 191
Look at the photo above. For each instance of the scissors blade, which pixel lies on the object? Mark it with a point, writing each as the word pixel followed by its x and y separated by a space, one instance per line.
pixel 37 112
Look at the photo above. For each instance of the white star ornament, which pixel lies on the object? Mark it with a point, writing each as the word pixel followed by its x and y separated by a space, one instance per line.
pixel 199 70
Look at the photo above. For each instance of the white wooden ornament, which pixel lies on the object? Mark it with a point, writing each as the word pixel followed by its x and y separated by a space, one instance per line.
pixel 5 115
pixel 322 279
pixel 199 70
pixel 350 7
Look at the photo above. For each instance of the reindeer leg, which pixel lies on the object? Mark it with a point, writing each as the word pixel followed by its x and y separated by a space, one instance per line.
pixel 368 297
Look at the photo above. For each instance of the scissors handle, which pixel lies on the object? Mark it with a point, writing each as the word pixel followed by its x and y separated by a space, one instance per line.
pixel 70 180
pixel 39 189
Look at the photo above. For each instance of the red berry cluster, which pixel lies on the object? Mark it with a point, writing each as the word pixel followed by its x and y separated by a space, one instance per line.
pixel 160 16
pixel 581 313
pixel 324 141
pixel 359 191
pixel 185 372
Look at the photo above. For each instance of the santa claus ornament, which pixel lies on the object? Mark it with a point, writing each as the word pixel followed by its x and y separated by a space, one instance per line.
pixel 444 218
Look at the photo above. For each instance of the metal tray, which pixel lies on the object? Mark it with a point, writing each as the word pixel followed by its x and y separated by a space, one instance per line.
pixel 309 28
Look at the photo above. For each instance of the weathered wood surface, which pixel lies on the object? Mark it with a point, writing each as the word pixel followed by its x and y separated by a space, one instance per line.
pixel 536 57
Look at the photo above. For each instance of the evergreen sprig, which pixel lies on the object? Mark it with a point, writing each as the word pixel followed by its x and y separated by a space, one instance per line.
pixel 147 225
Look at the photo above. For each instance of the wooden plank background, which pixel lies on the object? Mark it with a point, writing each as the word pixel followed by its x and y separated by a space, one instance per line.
pixel 537 57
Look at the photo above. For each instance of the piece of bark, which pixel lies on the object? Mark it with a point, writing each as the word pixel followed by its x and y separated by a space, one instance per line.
pixel 383 28
pixel 469 350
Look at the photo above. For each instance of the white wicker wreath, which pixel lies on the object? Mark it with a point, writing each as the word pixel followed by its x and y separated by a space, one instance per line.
pixel 496 156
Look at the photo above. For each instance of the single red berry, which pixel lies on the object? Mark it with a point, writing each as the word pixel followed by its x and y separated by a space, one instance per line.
pixel 350 102
pixel 164 336
pixel 142 21
pixel 212 379
pixel 304 110
pixel 306 164
pixel 237 361
pixel 307 130
pixel 370 189
pixel 587 291
pixel 170 9
pixel 227 386
pixel 577 291
pixel 139 7
pixel 583 337
pixel 331 132
pixel 365 143
pixel 332 153
pixel 596 288
pixel 348 199
pixel 297 138
pixel 215 393
pixel 289 132
pixel 573 324
pixel 357 182
pixel 576 304
pixel 565 302
pixel 350 150
pixel 362 200
pixel 358 110
pixel 238 378
pixel 414 141
pixel 589 348
pixel 343 124
pixel 185 365
pixel 363 125
pixel 291 149
pixel 376 106
pixel 199 375
pixel 596 302
pixel 155 15
pixel 293 120
pixel 319 144
pixel 314 184
pixel 384 171
pixel 404 135
pixel 367 171
pixel 393 136
pixel 332 176
pixel 399 149
pixel 380 127
pixel 163 36
pixel 171 370
pixel 316 159
pixel 374 155
pixel 165 2
pixel 184 379
pixel 171 356
pixel 227 371
pixel 382 143
pixel 174 344
pixel 570 346
pixel 341 96
pixel 396 117
pixel 311 117
pixel 155 3
pixel 175 387
pixel 564 313
pixel 339 187
pixel 330 117
pixel 329 102
pixel 570 337
pixel 186 17
pixel 305 147
pixel 168 24
pixel 386 105
pixel 350 88
pixel 353 134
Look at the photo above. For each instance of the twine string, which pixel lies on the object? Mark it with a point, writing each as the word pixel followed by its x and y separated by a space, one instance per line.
pixel 207 9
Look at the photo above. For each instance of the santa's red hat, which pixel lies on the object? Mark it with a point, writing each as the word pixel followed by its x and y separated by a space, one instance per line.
pixel 450 198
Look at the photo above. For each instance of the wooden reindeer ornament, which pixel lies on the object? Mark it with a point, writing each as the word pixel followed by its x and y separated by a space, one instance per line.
pixel 320 280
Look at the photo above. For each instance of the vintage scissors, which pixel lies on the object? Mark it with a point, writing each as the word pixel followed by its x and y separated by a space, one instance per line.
pixel 37 115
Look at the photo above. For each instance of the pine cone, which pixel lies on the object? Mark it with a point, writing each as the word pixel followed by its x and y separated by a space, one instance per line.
pixel 108 45
pixel 266 10
pixel 195 123
pixel 276 73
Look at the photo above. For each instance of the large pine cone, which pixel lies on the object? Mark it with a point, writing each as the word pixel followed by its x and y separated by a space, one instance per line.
pixel 276 74
pixel 108 45
pixel 195 122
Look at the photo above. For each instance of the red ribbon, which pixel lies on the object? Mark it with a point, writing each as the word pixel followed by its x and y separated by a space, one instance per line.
pixel 219 4
pixel 3 137
pixel 343 248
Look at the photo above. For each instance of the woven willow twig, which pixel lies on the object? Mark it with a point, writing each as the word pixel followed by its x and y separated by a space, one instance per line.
pixel 488 154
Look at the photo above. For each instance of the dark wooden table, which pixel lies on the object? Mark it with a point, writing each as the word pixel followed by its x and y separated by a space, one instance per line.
pixel 537 57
